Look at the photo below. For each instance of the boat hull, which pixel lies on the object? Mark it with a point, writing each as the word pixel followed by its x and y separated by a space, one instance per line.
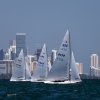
pixel 65 82
pixel 36 81
pixel 19 80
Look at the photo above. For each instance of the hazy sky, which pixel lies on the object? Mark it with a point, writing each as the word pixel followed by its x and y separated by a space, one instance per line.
pixel 46 21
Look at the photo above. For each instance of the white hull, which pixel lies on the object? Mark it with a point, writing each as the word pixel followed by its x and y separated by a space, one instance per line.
pixel 65 82
pixel 28 80
pixel 36 81
pixel 19 80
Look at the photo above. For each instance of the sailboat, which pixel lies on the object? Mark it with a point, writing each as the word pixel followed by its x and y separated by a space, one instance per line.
pixel 21 70
pixel 64 70
pixel 41 70
pixel 18 73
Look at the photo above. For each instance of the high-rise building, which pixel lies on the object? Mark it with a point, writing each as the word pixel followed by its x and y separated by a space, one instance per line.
pixel 12 43
pixel 6 56
pixel 94 60
pixel 53 56
pixel 20 43
pixel 2 54
pixel 30 59
pixel 26 50
pixel 13 55
pixel 12 52
pixel 79 68
pixel 37 54
pixel 33 64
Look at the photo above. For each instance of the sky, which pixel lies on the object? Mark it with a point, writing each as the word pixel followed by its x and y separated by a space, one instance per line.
pixel 46 21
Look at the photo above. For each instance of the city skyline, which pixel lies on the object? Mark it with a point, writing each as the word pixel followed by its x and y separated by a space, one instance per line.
pixel 48 21
pixel 94 59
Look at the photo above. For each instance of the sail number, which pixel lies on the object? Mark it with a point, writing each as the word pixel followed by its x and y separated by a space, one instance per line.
pixel 62 55
pixel 40 64
pixel 42 56
pixel 19 63
pixel 64 49
pixel 60 59
pixel 64 45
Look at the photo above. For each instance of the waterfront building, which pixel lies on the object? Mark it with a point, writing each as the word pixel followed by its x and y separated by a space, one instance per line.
pixel 94 63
pixel 2 68
pixel 33 64
pixel 94 71
pixel 30 59
pixel 8 64
pixel 79 67
pixel 94 60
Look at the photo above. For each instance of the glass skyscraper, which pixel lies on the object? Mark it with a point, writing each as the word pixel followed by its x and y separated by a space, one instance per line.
pixel 20 43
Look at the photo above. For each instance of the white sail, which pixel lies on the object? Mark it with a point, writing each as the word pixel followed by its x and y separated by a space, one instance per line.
pixel 27 73
pixel 40 72
pixel 19 69
pixel 60 67
pixel 74 72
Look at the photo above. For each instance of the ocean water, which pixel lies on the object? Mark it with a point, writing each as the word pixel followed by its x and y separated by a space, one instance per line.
pixel 87 90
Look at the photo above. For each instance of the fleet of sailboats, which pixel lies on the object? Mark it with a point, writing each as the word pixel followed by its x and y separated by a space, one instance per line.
pixel 63 70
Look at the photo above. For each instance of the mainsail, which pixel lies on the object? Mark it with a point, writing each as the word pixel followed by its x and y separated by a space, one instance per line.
pixel 19 69
pixel 60 67
pixel 40 72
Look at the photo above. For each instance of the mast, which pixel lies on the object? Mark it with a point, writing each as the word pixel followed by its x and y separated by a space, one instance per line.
pixel 69 57
pixel 25 68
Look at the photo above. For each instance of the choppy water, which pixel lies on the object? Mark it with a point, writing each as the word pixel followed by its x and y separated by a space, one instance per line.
pixel 87 90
